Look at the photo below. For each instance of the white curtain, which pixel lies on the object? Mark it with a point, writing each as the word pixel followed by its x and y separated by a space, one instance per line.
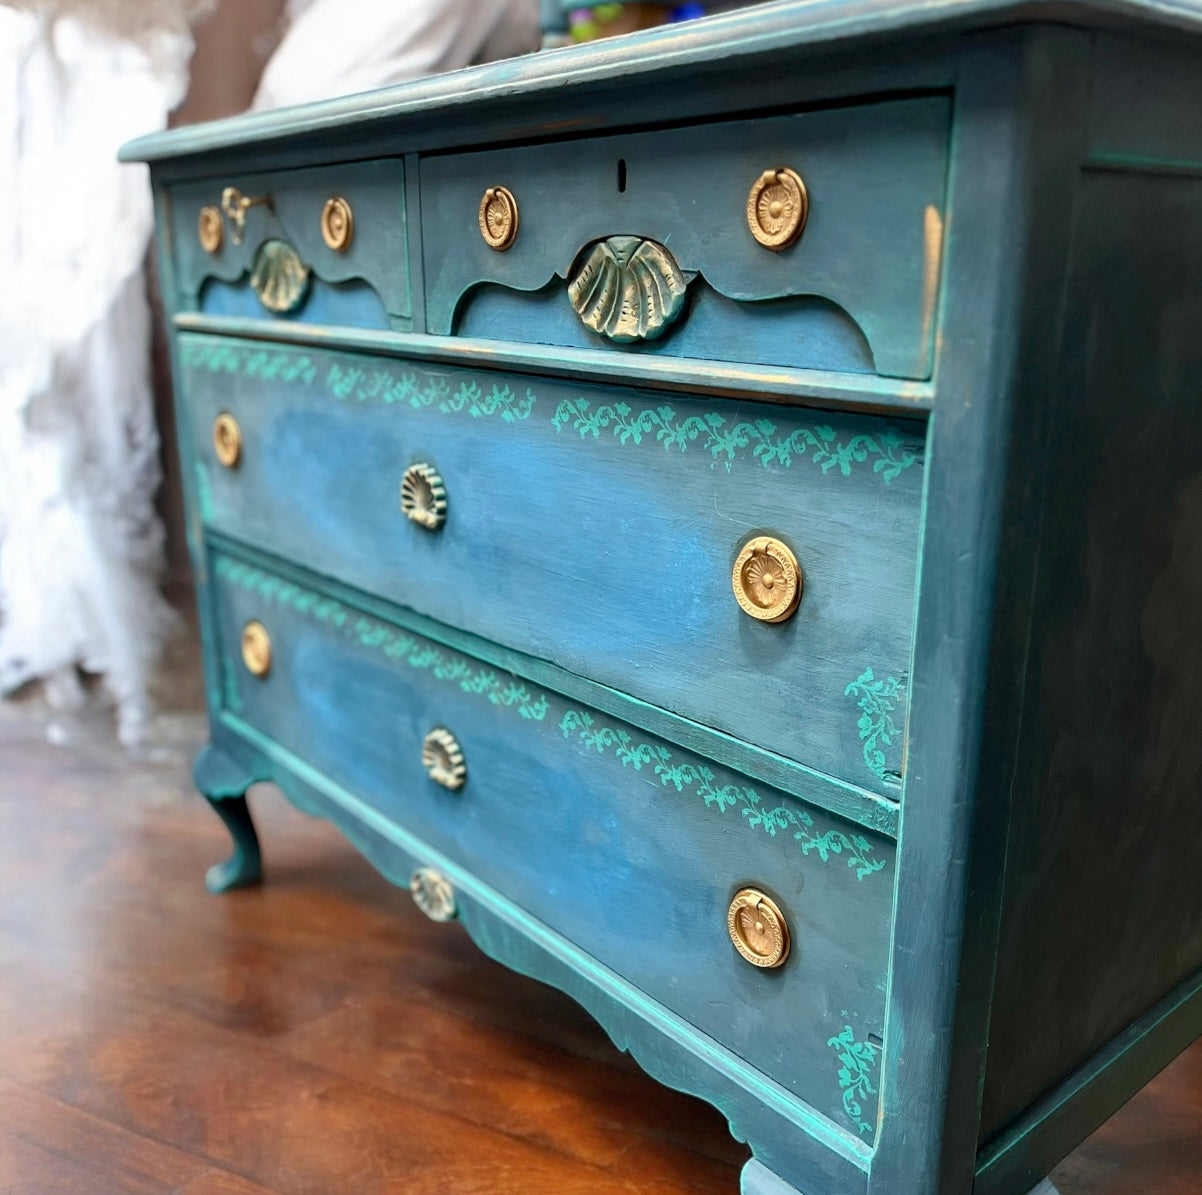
pixel 80 544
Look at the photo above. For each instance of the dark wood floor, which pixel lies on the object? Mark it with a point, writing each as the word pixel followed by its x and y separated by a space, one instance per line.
pixel 318 1035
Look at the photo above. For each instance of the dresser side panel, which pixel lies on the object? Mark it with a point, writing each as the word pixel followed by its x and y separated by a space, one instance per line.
pixel 1103 902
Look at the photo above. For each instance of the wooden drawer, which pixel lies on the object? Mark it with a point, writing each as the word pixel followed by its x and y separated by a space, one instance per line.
pixel 360 279
pixel 628 846
pixel 593 527
pixel 857 291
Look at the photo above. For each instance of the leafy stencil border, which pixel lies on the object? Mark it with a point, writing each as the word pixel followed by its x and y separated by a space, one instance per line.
pixel 891 454
pixel 698 778
pixel 857 1065
pixel 877 700
pixel 500 688
pixel 361 383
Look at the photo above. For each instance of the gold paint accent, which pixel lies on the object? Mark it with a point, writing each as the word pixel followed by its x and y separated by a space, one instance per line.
pixel 932 252
pixel 256 649
pixel 227 439
pixel 443 759
pixel 424 497
pixel 235 205
pixel 210 228
pixel 498 218
pixel 758 928
pixel 337 224
pixel 777 207
pixel 767 580
pixel 433 894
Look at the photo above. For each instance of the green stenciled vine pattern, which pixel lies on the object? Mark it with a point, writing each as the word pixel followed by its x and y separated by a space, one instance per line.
pixel 726 442
pixel 857 1065
pixel 500 688
pixel 887 452
pixel 362 383
pixel 877 700
pixel 697 778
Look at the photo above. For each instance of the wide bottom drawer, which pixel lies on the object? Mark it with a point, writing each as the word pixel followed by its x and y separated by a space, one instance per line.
pixel 627 845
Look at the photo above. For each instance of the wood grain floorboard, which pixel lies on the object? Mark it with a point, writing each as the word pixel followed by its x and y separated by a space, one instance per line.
pixel 318 1036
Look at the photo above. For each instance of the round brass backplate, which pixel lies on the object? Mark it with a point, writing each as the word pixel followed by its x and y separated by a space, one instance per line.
pixel 210 229
pixel 499 218
pixel 256 649
pixel 767 579
pixel 758 928
pixel 227 439
pixel 337 224
pixel 777 207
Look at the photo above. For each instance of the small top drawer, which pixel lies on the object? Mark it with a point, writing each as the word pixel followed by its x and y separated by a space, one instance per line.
pixel 854 290
pixel 327 245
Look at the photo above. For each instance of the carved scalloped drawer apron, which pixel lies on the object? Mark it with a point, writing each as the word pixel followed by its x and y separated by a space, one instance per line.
pixel 754 485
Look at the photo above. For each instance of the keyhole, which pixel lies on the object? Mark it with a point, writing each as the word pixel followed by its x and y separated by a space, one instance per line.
pixel 621 175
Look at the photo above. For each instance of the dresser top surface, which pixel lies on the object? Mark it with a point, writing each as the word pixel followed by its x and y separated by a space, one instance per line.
pixel 728 40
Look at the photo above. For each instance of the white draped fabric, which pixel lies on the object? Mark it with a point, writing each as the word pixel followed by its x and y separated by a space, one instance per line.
pixel 80 544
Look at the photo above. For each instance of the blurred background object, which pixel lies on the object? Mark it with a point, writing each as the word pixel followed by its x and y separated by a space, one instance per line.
pixel 337 47
pixel 80 542
pixel 81 538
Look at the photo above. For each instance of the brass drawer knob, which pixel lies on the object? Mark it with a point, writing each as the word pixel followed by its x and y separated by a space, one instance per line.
pixel 777 207
pixel 499 218
pixel 424 497
pixel 210 229
pixel 443 759
pixel 227 439
pixel 337 224
pixel 767 580
pixel 256 649
pixel 236 205
pixel 433 894
pixel 758 928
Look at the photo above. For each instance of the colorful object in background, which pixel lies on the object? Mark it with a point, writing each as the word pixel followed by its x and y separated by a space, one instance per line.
pixel 608 20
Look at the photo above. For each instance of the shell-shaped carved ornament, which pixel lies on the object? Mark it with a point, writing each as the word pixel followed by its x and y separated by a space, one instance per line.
pixel 433 894
pixel 628 289
pixel 279 277
pixel 443 759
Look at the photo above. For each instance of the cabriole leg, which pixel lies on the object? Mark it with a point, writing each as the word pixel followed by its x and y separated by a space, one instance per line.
pixel 223 783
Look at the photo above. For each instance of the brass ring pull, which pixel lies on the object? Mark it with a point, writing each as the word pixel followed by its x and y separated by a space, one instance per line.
pixel 424 497
pixel 433 894
pixel 337 224
pixel 767 580
pixel 256 649
pixel 235 205
pixel 758 928
pixel 443 759
pixel 210 228
pixel 227 439
pixel 777 207
pixel 498 218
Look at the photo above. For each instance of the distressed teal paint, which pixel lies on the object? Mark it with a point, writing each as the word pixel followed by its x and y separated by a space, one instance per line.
pixel 857 1066
pixel 877 701
pixel 500 689
pixel 726 442
pixel 591 731
pixel 231 692
pixel 360 383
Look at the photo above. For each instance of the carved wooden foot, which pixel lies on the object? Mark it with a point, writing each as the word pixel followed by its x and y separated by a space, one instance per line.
pixel 223 783
pixel 759 1180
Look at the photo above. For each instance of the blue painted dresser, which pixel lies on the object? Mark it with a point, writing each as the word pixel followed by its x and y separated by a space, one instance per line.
pixel 718 512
